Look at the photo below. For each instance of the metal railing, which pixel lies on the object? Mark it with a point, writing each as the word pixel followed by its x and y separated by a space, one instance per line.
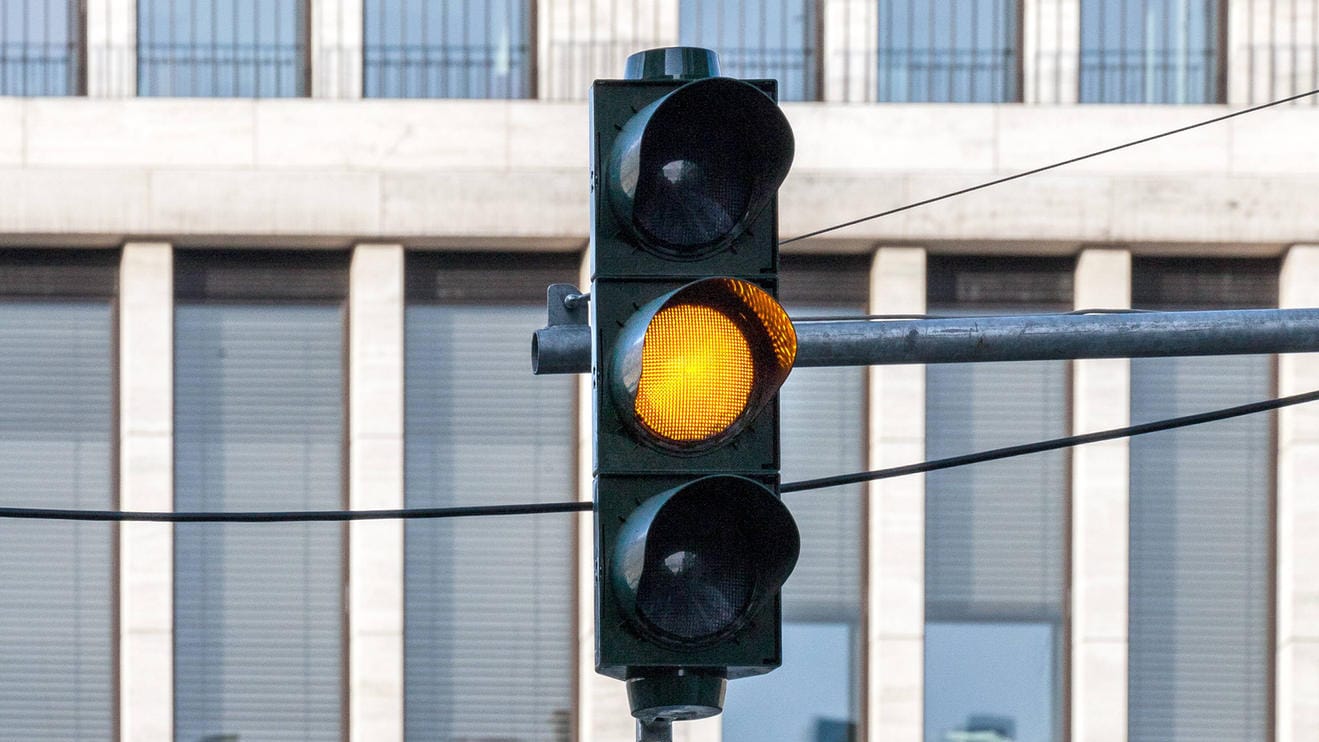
pixel 41 47
pixel 448 71
pixel 228 48
pixel 1135 76
pixel 455 49
pixel 962 51
pixel 912 75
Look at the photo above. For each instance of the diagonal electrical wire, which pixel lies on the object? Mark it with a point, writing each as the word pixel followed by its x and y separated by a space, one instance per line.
pixel 1051 445
pixel 296 516
pixel 583 506
pixel 1043 168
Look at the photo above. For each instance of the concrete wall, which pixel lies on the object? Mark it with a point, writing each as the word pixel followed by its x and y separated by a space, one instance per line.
pixel 514 174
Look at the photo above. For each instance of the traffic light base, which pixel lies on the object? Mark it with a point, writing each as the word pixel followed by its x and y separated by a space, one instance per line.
pixel 681 696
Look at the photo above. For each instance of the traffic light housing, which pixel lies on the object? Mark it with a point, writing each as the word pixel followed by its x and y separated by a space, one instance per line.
pixel 689 350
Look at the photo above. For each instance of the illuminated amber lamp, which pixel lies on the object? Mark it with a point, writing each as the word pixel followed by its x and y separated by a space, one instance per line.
pixel 697 364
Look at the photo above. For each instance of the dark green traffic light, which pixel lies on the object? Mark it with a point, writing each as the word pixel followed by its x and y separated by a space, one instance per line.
pixel 692 543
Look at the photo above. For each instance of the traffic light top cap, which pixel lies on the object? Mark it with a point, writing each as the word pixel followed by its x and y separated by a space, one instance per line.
pixel 672 63
pixel 689 172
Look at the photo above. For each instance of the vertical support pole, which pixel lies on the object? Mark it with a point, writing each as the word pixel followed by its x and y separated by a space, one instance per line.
pixel 375 481
pixel 111 48
pixel 336 48
pixel 146 482
pixel 1051 51
pixel 1297 642
pixel 1101 486
pixel 894 666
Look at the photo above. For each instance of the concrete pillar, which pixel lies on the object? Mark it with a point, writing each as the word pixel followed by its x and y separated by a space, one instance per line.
pixel 1051 51
pixel 851 50
pixel 894 666
pixel 336 48
pixel 1297 690
pixel 581 40
pixel 111 48
pixel 1271 52
pixel 146 482
pixel 375 481
pixel 1100 501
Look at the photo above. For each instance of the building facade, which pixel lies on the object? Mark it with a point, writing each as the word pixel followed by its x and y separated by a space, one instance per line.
pixel 287 255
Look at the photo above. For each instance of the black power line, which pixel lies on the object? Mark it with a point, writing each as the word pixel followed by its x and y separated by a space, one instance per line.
pixel 1044 168
pixel 296 516
pixel 1053 444
pixel 583 506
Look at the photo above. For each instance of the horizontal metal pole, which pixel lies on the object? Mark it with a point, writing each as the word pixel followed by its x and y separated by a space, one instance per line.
pixel 1037 337
pixel 1057 336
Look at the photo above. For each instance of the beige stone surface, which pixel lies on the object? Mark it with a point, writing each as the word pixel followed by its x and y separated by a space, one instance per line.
pixel 1100 507
pixel 375 481
pixel 895 573
pixel 146 482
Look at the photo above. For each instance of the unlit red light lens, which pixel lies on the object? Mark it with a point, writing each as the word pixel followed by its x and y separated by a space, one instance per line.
pixel 697 373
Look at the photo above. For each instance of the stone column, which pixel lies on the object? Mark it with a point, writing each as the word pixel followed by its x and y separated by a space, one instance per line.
pixel 1297 690
pixel 894 666
pixel 1271 51
pixel 375 481
pixel 1051 51
pixel 146 482
pixel 1101 390
pixel 336 48
pixel 851 50
pixel 111 48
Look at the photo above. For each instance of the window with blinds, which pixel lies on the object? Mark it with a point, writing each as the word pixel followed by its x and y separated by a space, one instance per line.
pixel 822 432
pixel 56 428
pixel 259 425
pixel 490 602
pixel 995 533
pixel 1201 569
pixel 776 39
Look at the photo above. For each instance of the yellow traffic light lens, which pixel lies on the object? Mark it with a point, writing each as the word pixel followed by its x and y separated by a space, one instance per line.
pixel 697 373
pixel 695 366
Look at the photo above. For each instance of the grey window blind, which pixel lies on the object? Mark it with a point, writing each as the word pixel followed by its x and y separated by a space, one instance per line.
pixel 994 532
pixel 258 426
pixel 1200 561
pixel 823 432
pixel 1201 566
pixel 56 636
pixel 489 601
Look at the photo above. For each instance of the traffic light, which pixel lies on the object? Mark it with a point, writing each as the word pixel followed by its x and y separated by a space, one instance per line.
pixel 689 350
